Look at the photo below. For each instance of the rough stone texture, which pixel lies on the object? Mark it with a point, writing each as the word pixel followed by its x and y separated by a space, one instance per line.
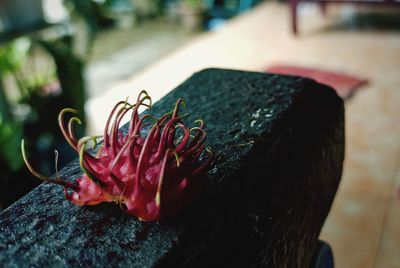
pixel 280 146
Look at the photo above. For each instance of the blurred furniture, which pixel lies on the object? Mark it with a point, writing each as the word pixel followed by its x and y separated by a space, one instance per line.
pixel 21 15
pixel 322 3
pixel 227 9
pixel 219 11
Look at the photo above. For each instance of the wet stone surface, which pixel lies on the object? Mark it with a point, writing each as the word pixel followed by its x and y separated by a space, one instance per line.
pixel 279 147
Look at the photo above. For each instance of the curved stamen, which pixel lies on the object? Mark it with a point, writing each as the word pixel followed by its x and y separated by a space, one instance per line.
pixel 164 118
pixel 197 141
pixel 143 152
pixel 85 166
pixel 135 135
pixel 118 121
pixel 71 128
pixel 114 144
pixel 162 175
pixel 42 177
pixel 161 179
pixel 106 137
pixel 177 104
pixel 185 139
pixel 205 164
pixel 66 134
pixel 178 161
pixel 171 134
pixel 142 92
pixel 164 136
pixel 201 122
pixel 135 114
pixel 121 152
pixel 160 122
pixel 196 137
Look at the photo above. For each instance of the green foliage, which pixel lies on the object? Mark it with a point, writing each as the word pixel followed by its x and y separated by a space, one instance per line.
pixel 36 82
pixel 69 71
pixel 10 139
pixel 17 60
pixel 13 55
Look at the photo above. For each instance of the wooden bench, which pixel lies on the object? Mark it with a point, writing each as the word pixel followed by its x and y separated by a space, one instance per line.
pixel 279 144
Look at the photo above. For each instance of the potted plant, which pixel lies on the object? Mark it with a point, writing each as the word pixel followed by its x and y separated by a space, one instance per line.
pixel 12 57
pixel 36 90
pixel 37 95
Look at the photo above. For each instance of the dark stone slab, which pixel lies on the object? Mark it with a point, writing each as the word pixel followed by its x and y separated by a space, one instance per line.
pixel 280 147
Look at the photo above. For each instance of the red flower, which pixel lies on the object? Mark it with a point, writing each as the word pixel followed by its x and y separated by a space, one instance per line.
pixel 153 174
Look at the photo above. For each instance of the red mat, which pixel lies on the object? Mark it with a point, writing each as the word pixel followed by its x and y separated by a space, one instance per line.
pixel 345 85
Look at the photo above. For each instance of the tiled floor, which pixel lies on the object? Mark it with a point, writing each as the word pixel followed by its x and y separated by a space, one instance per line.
pixel 364 224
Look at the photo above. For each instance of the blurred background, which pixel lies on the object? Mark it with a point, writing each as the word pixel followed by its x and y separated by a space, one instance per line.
pixel 89 54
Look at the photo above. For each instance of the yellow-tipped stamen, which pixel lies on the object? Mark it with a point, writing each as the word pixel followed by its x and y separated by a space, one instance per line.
pixel 178 162
pixel 42 177
pixel 61 124
pixel 175 110
pixel 28 164
pixel 71 127
pixel 200 122
pixel 81 147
